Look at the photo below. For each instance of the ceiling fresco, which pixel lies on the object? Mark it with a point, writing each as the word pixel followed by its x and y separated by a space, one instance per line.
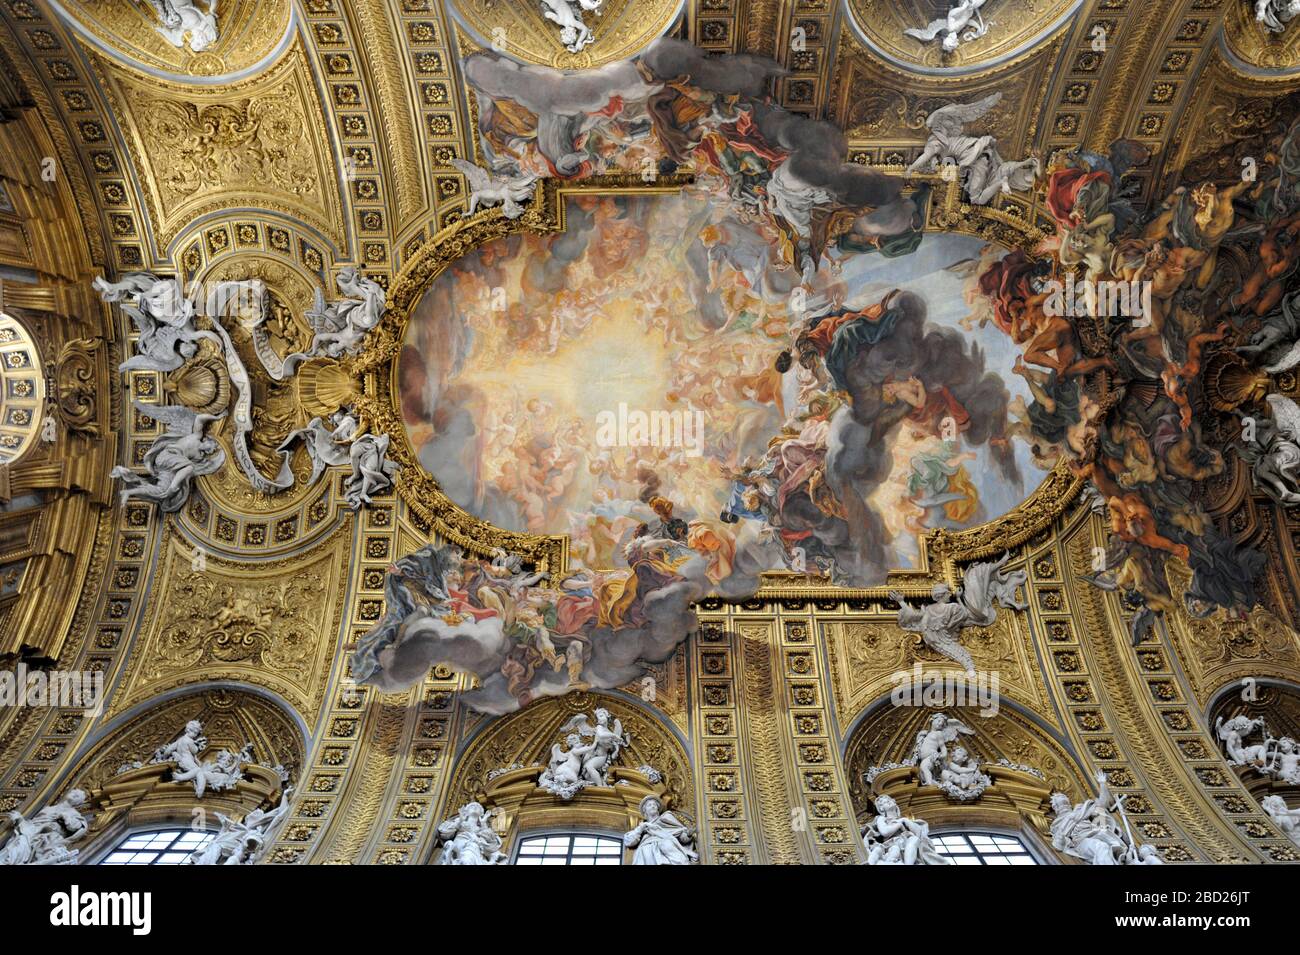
pixel 424 379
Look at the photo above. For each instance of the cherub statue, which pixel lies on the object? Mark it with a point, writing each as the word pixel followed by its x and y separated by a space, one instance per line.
pixel 340 326
pixel 1274 451
pixel 574 34
pixel 930 751
pixel 940 624
pixel 962 24
pixel 1288 820
pixel 894 839
pixel 488 189
pixel 563 775
pixel 242 843
pixel 986 172
pixel 661 839
pixel 179 455
pixel 1285 762
pixel 164 317
pixel 960 776
pixel 181 17
pixel 1233 732
pixel 220 773
pixel 468 838
pixel 43 839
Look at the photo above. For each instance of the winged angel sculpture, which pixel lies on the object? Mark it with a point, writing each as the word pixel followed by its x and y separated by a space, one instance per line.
pixel 986 173
pixel 592 750
pixel 181 17
pixel 940 624
pixel 182 453
pixel 487 189
pixel 962 24
pixel 574 34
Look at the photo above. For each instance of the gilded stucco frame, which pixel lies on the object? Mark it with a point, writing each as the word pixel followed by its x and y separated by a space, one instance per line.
pixel 1013 224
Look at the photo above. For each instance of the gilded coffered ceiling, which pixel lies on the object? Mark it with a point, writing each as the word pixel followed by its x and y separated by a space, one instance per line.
pixel 340 188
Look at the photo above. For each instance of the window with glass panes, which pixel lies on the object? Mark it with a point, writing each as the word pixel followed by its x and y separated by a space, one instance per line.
pixel 983 848
pixel 570 849
pixel 165 847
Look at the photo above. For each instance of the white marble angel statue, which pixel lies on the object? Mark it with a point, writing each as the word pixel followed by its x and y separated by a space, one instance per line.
pixel 1285 761
pixel 340 326
pixel 1288 820
pixel 986 172
pixel 1274 15
pixel 1274 451
pixel 661 839
pixel 584 764
pixel 941 622
pixel 220 773
pixel 960 776
pixel 930 751
pixel 179 455
pixel 894 839
pixel 565 14
pixel 164 317
pixel 181 17
pixel 1089 831
pixel 43 839
pixel 372 472
pixel 244 842
pixel 962 24
pixel 489 189
pixel 1233 732
pixel 326 446
pixel 468 838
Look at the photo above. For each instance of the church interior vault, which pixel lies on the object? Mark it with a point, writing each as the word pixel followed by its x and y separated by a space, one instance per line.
pixel 696 432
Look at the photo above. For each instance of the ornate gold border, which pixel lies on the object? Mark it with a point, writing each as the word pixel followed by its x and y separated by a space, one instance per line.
pixel 377 404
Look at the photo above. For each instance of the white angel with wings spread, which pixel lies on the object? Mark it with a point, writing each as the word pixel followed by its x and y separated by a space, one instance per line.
pixel 606 743
pixel 486 189
pixel 940 624
pixel 175 459
pixel 931 749
pixel 977 157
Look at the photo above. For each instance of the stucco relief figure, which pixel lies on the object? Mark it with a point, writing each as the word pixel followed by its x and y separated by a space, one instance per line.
pixel 1233 732
pixel 940 623
pixel 1089 831
pixel 182 18
pixel 468 838
pixel 1288 820
pixel 986 173
pixel 340 326
pixel 326 444
pixel 584 763
pixel 43 839
pixel 963 24
pixel 182 453
pixel 661 839
pixel 1273 452
pixel 487 189
pixel 244 842
pixel 162 314
pixel 567 15
pixel 219 773
pixel 894 839
pixel 372 472
pixel 1274 15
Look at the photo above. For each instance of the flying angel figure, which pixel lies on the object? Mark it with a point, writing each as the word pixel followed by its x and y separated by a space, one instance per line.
pixel 986 172
pixel 1274 454
pixel 175 459
pixel 962 24
pixel 487 189
pixel 940 624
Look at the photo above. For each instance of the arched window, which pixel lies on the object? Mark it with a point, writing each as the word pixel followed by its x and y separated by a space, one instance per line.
pixel 157 847
pixel 983 848
pixel 569 848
